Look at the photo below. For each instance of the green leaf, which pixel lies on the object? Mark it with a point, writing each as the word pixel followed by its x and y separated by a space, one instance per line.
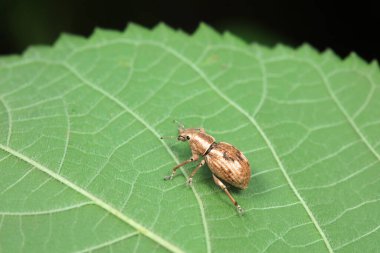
pixel 82 165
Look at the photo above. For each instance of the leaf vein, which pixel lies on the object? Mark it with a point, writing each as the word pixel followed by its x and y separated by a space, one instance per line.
pixel 8 111
pixel 340 107
pixel 45 212
pixel 107 243
pixel 99 202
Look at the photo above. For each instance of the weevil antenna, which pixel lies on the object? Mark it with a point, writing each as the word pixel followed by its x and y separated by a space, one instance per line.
pixel 180 125
pixel 168 137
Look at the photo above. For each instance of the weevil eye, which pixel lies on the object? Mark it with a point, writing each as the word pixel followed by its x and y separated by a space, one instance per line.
pixel 188 137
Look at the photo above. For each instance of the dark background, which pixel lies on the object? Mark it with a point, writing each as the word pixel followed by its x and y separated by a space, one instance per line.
pixel 343 27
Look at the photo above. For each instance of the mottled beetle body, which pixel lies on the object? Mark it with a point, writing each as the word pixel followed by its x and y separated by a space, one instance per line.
pixel 229 164
pixel 226 162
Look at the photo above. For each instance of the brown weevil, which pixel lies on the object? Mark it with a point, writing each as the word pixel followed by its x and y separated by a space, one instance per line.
pixel 226 162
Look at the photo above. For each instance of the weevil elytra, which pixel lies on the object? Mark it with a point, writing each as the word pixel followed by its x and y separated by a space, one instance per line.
pixel 226 162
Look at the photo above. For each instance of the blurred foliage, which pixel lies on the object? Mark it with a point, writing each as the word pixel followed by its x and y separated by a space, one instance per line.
pixel 24 23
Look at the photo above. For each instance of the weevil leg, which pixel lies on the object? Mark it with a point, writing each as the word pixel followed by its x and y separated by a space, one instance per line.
pixel 224 188
pixel 192 159
pixel 190 180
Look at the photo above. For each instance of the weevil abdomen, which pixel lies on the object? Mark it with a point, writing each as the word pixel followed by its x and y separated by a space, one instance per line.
pixel 229 164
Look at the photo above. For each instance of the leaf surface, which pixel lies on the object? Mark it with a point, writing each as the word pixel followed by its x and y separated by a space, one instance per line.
pixel 81 162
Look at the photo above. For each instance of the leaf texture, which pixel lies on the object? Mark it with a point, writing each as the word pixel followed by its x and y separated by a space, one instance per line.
pixel 81 162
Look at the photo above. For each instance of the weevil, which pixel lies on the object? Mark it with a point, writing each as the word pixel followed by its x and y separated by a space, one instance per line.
pixel 227 163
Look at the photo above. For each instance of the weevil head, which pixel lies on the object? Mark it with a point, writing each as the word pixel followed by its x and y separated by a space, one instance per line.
pixel 198 139
pixel 185 134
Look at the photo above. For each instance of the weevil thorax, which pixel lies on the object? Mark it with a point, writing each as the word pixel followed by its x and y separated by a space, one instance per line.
pixel 199 141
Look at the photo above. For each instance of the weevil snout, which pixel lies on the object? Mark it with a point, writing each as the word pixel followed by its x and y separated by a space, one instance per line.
pixel 186 134
pixel 181 138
